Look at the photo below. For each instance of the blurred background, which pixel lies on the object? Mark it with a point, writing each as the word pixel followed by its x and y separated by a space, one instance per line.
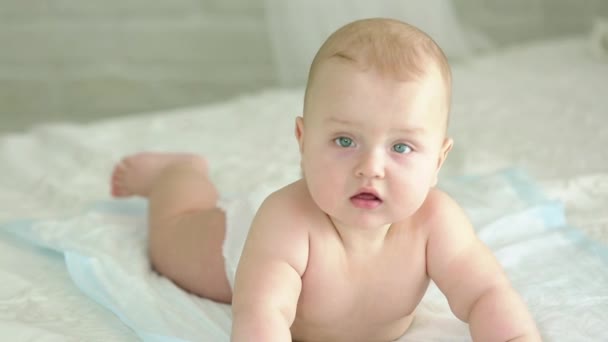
pixel 68 60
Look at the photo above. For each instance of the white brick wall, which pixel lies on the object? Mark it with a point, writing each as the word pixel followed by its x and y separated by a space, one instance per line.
pixel 83 59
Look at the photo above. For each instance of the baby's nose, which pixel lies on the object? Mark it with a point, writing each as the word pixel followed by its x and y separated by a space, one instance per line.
pixel 371 165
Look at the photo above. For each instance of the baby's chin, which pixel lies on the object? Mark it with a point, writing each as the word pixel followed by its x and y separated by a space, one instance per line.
pixel 360 219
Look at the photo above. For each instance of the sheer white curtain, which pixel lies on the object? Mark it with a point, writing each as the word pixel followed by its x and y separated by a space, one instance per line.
pixel 297 28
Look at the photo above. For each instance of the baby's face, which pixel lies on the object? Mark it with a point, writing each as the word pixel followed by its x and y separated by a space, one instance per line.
pixel 372 146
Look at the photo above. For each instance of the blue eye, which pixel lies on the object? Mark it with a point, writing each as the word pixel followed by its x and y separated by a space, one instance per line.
pixel 344 142
pixel 402 148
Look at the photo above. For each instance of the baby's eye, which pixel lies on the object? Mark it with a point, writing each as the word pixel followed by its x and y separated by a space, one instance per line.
pixel 344 142
pixel 402 148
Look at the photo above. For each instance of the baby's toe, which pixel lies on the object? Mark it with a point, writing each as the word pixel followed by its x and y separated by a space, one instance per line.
pixel 118 187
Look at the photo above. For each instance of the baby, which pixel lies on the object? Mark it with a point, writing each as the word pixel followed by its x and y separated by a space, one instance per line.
pixel 347 252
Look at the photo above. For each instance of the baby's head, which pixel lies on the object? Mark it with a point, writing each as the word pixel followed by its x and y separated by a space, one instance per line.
pixel 375 117
pixel 393 49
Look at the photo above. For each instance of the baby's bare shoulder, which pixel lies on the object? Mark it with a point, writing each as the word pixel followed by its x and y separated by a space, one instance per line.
pixel 284 214
pixel 276 234
pixel 441 210
pixel 292 201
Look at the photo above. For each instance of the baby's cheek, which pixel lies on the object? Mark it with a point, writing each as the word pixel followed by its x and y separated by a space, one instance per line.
pixel 411 190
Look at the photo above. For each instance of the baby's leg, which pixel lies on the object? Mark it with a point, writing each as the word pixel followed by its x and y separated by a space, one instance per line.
pixel 186 227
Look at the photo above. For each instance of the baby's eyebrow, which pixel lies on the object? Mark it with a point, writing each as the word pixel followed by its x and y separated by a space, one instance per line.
pixel 332 119
pixel 410 130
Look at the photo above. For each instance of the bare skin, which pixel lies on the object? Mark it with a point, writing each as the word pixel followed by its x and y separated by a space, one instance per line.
pixel 347 295
pixel 186 228
pixel 344 296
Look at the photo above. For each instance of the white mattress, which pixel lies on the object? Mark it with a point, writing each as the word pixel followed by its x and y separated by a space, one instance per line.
pixel 540 107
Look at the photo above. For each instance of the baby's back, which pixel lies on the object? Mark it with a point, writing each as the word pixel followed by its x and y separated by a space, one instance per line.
pixel 349 296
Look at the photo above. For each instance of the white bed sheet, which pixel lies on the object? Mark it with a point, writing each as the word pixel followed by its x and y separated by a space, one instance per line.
pixel 540 107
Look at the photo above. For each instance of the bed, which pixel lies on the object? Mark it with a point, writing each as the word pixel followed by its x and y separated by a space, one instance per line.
pixel 533 114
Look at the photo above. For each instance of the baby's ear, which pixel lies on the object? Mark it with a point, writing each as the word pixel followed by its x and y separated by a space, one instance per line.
pixel 447 145
pixel 299 131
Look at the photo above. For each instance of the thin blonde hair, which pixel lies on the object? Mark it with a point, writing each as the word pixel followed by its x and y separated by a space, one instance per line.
pixel 391 47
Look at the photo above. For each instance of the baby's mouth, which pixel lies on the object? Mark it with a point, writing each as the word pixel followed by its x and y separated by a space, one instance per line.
pixel 366 200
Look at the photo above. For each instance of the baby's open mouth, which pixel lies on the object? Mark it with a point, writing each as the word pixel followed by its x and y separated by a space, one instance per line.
pixel 366 200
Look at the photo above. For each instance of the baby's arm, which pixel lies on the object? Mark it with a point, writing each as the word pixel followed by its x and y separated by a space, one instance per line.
pixel 268 279
pixel 471 278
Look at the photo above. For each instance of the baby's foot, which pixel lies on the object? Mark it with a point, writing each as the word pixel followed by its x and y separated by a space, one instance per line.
pixel 134 174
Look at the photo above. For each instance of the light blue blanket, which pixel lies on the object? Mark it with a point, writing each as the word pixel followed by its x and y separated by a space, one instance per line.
pixel 562 275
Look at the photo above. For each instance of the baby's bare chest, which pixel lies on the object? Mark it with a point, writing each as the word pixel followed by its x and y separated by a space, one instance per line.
pixel 359 293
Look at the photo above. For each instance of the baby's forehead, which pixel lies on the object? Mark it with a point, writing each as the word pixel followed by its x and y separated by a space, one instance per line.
pixel 394 49
pixel 344 94
pixel 338 78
